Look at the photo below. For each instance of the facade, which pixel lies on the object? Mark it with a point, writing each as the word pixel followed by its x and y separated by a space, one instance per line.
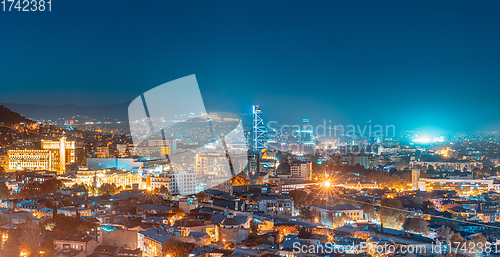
pixel 347 210
pixel 211 169
pixel 361 185
pixel 82 243
pixel 458 165
pixel 29 159
pixel 300 169
pixel 182 182
pixel 96 178
pixel 276 205
pixel 367 161
pixel 151 241
pixel 54 156
pixel 72 211
pixel 126 239
pixel 159 181
pixel 231 230
pixel 462 186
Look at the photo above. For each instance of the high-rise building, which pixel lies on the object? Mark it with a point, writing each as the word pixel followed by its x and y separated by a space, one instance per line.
pixel 306 133
pixel 62 152
pixel 54 156
pixel 259 130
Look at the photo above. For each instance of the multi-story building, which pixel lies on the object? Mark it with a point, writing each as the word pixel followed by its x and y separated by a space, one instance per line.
pixel 346 210
pixel 367 161
pixel 182 182
pixel 151 241
pixel 82 243
pixel 29 159
pixel 98 177
pixel 276 205
pixel 54 156
pixel 211 169
pixel 159 181
pixel 126 239
pixel 300 169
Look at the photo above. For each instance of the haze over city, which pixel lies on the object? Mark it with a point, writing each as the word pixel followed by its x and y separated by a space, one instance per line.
pixel 410 64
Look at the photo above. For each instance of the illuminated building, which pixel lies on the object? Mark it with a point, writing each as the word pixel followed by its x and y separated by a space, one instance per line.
pixel 232 230
pixel 361 185
pixel 345 210
pixel 29 159
pixel 49 158
pixel 211 169
pixel 415 176
pixel 461 186
pixel 83 243
pixel 306 133
pixel 300 169
pixel 259 130
pixel 159 181
pixel 151 241
pixel 182 182
pixel 62 153
pixel 457 165
pixel 98 177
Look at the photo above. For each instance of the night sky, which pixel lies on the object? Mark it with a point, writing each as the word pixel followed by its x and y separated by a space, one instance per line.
pixel 412 64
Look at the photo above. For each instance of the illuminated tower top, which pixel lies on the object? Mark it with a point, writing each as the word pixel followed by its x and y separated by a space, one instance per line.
pixel 259 130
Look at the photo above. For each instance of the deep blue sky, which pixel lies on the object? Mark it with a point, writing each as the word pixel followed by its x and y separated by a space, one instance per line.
pixel 408 63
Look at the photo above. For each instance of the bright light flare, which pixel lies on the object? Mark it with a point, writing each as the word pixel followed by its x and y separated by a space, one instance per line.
pixel 423 140
pixel 327 183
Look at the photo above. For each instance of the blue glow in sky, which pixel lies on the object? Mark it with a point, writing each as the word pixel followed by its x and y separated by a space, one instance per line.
pixel 410 64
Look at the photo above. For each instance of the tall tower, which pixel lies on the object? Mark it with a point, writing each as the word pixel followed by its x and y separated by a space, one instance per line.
pixel 259 130
pixel 415 176
pixel 62 156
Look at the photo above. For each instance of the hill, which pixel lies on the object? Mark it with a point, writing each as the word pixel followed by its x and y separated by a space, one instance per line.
pixel 40 112
pixel 9 117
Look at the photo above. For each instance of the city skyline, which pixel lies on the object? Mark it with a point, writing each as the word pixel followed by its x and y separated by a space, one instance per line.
pixel 419 65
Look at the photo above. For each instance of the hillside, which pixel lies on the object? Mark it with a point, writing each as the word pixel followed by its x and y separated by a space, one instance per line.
pixel 9 117
pixel 41 112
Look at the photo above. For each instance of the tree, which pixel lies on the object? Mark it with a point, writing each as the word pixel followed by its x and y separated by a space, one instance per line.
pixel 368 209
pixel 254 227
pixel 457 241
pixel 4 191
pixel 339 221
pixel 478 243
pixel 2 172
pixel 50 186
pixel 416 225
pixel 445 233
pixel 174 249
pixel 108 189
pixel 202 197
pixel 163 190
pixel 239 180
pixel 31 237
pixel 180 213
pixel 299 197
pixel 391 213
